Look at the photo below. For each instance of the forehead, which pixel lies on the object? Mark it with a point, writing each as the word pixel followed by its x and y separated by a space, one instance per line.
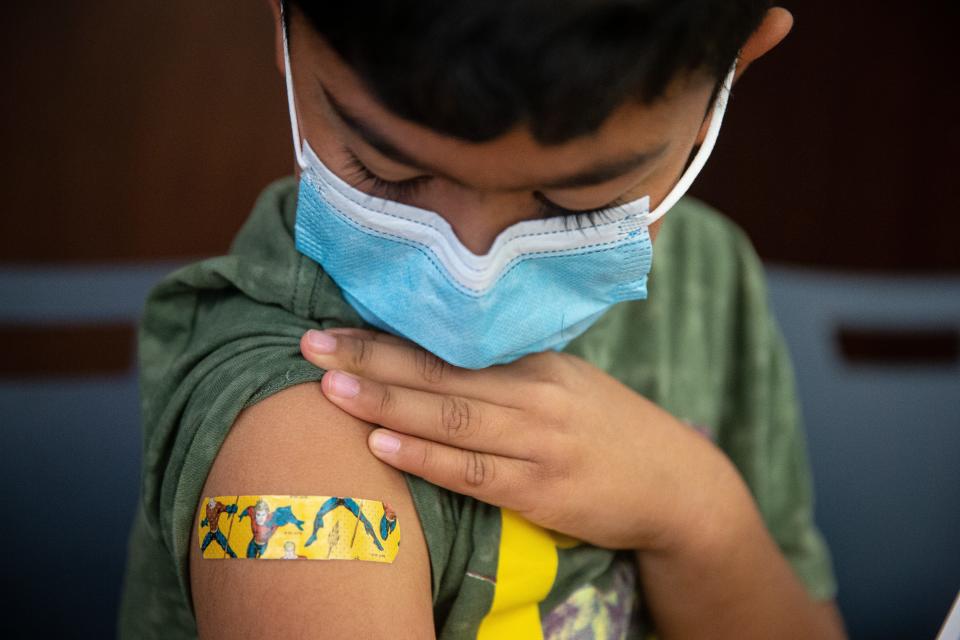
pixel 510 158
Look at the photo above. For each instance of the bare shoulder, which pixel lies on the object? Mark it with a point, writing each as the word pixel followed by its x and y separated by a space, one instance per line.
pixel 298 443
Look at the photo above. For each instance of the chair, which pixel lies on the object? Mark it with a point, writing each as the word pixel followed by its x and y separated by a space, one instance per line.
pixel 878 375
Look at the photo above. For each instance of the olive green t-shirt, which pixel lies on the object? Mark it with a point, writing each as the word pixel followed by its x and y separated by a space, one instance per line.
pixel 223 334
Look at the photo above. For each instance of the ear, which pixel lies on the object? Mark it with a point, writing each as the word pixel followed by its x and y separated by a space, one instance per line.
pixel 772 30
pixel 277 35
pixel 775 26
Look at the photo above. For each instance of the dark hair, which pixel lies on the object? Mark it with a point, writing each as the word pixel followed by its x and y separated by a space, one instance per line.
pixel 473 69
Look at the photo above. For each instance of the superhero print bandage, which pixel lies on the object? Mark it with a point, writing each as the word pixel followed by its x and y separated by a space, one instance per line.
pixel 298 528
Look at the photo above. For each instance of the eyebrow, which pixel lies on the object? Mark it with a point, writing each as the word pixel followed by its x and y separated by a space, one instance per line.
pixel 597 174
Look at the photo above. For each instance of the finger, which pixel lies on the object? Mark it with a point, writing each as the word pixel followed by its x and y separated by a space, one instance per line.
pixel 496 480
pixel 370 335
pixel 467 423
pixel 405 365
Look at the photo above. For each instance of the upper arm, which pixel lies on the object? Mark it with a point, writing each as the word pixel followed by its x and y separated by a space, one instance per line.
pixel 298 443
pixel 831 611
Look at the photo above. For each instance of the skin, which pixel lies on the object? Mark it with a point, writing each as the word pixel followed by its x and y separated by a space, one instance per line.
pixel 521 436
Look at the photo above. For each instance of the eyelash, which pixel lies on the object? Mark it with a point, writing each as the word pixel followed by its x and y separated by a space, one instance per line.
pixel 401 189
pixel 391 189
pixel 549 209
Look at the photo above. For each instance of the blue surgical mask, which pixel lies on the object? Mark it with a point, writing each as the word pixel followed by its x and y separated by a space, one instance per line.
pixel 539 286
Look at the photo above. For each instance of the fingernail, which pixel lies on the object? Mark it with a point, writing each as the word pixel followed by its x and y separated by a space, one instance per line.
pixel 321 342
pixel 384 442
pixel 343 384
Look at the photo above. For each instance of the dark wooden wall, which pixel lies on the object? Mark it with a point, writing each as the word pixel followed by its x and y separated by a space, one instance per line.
pixel 841 148
pixel 144 130
pixel 135 130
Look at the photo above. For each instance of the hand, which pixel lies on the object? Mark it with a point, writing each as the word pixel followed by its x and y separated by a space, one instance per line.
pixel 550 436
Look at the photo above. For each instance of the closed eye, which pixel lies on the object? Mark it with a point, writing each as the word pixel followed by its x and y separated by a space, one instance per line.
pixel 402 189
pixel 550 209
pixel 389 189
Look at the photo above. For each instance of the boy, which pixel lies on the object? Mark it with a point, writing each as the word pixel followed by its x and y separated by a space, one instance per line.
pixel 489 123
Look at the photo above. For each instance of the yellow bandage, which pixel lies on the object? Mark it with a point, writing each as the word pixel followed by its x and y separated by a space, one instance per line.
pixel 298 527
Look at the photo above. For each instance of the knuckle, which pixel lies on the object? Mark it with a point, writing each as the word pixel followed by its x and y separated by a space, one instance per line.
pixel 541 472
pixel 533 501
pixel 546 395
pixel 544 363
pixel 458 417
pixel 544 497
pixel 361 351
pixel 386 403
pixel 427 457
pixel 478 469
pixel 554 368
pixel 551 464
pixel 430 368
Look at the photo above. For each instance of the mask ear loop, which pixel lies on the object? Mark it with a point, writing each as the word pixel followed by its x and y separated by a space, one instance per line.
pixel 291 103
pixel 699 160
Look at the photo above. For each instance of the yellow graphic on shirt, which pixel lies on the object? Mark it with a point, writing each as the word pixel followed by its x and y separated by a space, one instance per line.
pixel 298 527
pixel 526 570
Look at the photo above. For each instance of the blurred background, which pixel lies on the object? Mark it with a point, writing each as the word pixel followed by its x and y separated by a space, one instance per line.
pixel 136 135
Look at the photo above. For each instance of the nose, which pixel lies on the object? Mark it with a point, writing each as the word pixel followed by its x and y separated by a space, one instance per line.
pixel 478 217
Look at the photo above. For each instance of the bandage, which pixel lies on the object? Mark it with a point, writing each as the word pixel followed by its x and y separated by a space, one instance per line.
pixel 298 528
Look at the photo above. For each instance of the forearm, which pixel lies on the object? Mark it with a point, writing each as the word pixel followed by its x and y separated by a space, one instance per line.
pixel 730 581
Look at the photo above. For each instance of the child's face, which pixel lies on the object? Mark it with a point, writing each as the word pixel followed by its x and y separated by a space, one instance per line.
pixel 481 189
